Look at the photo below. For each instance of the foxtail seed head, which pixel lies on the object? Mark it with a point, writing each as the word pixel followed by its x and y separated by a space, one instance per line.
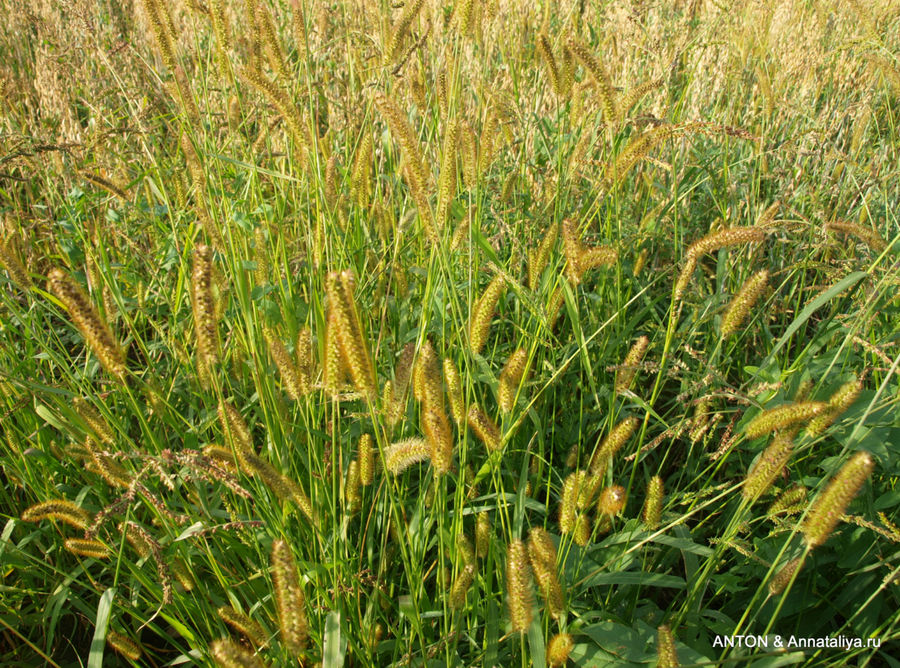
pixel 625 375
pixel 454 392
pixel 605 91
pixel 826 511
pixel 290 601
pixel 205 321
pixel 866 234
pixel 838 402
pixel 542 554
pixel 743 301
pixel 482 534
pixel 667 656
pixel 305 362
pixel 366 458
pixel 732 236
pixel 511 378
pixel 483 314
pixel 241 623
pixel 138 538
pixel 399 30
pixel 568 505
pixel 769 465
pixel 558 650
pixel 460 587
pixel 290 374
pixel 582 529
pixel 236 430
pixel 538 258
pixel 60 510
pixel 484 427
pixel 613 443
pixel 440 438
pixel 653 503
pixel 335 368
pixel 92 418
pixel 612 501
pixel 85 317
pixel 16 270
pixel 352 494
pixel 401 455
pixel 546 52
pixel 87 547
pixel 350 336
pixel 229 654
pixel 427 378
pixel 784 416
pixel 790 502
pixel 123 645
pixel 518 586
pixel 784 575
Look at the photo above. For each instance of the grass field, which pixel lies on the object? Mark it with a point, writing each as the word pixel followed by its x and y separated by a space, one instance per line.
pixel 474 333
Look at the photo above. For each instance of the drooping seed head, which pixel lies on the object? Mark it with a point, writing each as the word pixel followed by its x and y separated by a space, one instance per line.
pixel 789 502
pixel 783 417
pixel 625 375
pixel 60 510
pixel 838 402
pixel 401 455
pixel 87 547
pixel 769 465
pixel 828 508
pixel 542 555
pixel 613 442
pixel 724 238
pixel 511 378
pixel 84 316
pixel 290 374
pixel 483 313
pixel 241 623
pixel 484 427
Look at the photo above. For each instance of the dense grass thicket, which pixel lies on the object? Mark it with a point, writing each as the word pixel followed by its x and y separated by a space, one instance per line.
pixel 435 333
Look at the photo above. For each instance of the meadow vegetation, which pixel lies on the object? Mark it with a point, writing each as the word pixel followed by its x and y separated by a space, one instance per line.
pixel 435 333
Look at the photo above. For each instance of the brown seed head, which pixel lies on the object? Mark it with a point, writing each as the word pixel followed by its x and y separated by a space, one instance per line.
pixel 85 317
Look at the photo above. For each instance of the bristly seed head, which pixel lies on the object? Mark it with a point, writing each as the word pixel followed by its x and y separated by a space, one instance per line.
pixel 828 508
